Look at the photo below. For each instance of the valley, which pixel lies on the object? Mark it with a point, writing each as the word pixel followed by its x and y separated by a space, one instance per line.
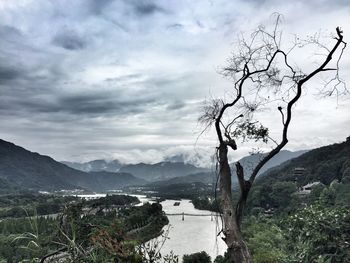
pixel 85 206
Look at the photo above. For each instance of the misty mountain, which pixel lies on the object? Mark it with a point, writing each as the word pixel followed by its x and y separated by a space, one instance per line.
pixel 21 169
pixel 161 171
pixel 96 166
pixel 105 181
pixel 250 161
pixel 247 162
pixel 204 177
pixel 198 158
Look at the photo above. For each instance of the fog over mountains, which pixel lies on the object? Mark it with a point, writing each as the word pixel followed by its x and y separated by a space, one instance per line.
pixel 96 165
pixel 21 169
pixel 175 168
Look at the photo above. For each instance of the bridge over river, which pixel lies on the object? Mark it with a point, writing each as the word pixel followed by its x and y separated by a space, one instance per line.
pixel 183 214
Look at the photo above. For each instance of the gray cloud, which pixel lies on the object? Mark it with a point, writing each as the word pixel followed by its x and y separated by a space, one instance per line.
pixel 97 6
pixel 145 7
pixel 8 74
pixel 175 26
pixel 69 40
pixel 125 78
pixel 9 32
pixel 176 105
pixel 100 104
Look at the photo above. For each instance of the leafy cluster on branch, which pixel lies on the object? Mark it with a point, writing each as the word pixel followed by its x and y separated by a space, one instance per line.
pixel 251 131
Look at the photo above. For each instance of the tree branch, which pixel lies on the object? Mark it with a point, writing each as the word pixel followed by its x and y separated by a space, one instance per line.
pixel 290 104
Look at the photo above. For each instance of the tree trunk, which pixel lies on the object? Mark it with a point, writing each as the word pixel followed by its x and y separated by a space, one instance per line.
pixel 237 250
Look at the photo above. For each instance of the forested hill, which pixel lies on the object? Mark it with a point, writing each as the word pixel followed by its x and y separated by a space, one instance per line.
pixel 249 162
pixel 323 164
pixel 21 169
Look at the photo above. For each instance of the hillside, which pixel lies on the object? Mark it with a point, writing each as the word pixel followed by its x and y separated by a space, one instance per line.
pixel 161 171
pixel 323 164
pixel 204 177
pixel 21 169
pixel 250 161
pixel 28 170
pixel 105 181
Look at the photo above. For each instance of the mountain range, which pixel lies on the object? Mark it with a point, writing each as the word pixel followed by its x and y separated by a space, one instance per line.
pixel 96 166
pixel 161 171
pixel 21 169
pixel 149 172
pixel 173 168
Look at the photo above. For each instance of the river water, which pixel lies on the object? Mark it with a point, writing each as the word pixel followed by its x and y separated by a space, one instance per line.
pixel 191 235
pixel 194 233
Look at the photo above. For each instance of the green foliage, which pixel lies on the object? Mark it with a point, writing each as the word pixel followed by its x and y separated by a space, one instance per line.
pixel 200 257
pixel 265 240
pixel 248 130
pixel 183 190
pixel 26 238
pixel 104 230
pixel 316 192
pixel 281 196
pixel 220 259
pixel 319 234
pixel 22 205
pixel 324 164
pixel 112 200
pixel 204 203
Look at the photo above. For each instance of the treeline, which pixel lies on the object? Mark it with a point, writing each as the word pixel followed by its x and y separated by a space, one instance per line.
pixel 30 204
pixel 206 203
pixel 112 200
pixel 182 190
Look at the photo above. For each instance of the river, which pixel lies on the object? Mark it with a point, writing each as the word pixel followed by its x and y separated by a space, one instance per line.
pixel 191 235
pixel 194 233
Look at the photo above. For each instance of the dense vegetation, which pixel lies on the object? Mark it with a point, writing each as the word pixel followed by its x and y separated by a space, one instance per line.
pixel 181 190
pixel 29 204
pixel 199 257
pixel 86 231
pixel 318 233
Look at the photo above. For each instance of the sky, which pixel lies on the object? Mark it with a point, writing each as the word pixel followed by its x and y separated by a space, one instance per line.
pixel 126 79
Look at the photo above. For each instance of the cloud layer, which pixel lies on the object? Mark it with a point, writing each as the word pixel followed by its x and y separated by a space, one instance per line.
pixel 92 79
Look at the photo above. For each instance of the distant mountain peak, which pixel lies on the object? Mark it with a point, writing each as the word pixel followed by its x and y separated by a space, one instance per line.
pixel 161 171
pixel 96 165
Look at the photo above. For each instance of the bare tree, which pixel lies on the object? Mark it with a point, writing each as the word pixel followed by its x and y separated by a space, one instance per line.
pixel 263 75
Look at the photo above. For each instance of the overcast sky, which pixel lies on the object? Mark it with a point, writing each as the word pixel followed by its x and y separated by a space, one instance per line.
pixel 126 79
